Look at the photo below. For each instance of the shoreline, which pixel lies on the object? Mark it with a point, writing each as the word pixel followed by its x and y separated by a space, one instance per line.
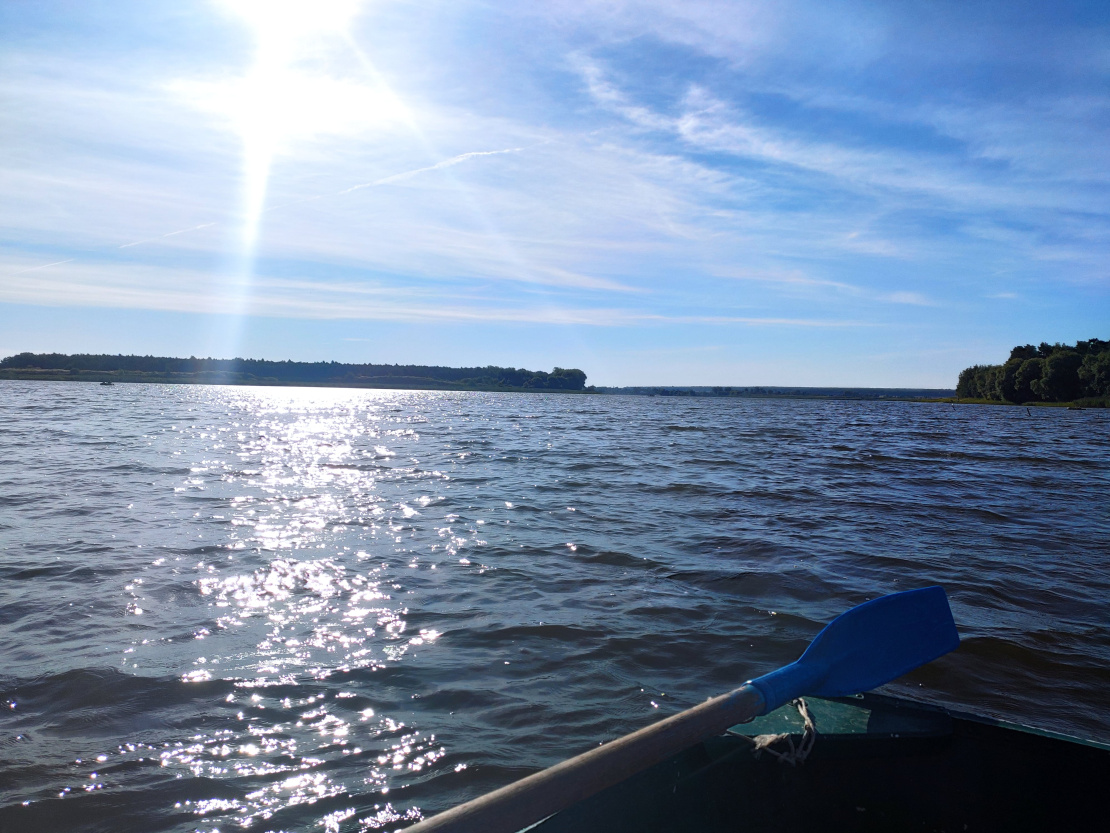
pixel 124 378
pixel 99 377
pixel 106 378
pixel 1076 404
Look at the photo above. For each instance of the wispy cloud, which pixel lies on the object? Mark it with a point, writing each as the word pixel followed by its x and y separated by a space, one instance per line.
pixel 805 323
pixel 807 172
pixel 913 298
pixel 447 163
pixel 780 277
pixel 135 287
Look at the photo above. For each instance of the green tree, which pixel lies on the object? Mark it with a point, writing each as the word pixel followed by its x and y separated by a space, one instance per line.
pixel 567 379
pixel 1029 372
pixel 968 386
pixel 1094 373
pixel 1007 380
pixel 1048 372
pixel 1060 380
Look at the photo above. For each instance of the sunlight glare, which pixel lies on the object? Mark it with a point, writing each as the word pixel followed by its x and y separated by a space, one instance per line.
pixel 287 21
pixel 287 94
pixel 295 88
pixel 277 100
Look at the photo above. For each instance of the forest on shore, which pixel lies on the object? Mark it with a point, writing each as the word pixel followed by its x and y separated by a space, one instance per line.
pixel 107 368
pixel 1046 373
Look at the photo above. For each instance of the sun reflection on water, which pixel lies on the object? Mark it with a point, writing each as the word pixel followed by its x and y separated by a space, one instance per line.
pixel 280 615
pixel 315 501
pixel 292 752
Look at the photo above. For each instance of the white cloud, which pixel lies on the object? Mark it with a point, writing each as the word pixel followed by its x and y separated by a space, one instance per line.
pixel 913 298
pixel 68 283
pixel 465 182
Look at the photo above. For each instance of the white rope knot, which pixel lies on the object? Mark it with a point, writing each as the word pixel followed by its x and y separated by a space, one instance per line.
pixel 792 754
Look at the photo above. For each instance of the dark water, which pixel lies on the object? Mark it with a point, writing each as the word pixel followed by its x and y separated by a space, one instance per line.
pixel 295 609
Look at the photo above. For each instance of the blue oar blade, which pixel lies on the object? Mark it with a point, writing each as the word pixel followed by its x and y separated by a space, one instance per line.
pixel 867 646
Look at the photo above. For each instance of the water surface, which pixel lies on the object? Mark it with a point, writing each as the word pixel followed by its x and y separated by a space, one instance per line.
pixel 320 609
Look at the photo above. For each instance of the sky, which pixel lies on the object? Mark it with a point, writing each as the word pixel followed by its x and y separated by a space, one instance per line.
pixel 706 193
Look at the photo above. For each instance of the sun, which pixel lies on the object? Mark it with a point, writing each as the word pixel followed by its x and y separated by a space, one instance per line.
pixel 279 99
pixel 287 21
pixel 305 80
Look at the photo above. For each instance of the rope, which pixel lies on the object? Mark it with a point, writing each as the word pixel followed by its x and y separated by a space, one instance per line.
pixel 792 754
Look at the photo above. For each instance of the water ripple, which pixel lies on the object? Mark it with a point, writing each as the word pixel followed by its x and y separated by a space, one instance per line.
pixel 311 608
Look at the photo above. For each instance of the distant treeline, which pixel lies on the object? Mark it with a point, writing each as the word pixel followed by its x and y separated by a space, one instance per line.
pixel 1048 373
pixel 783 392
pixel 263 372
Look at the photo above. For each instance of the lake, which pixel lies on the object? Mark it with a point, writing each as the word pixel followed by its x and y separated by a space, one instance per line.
pixel 326 609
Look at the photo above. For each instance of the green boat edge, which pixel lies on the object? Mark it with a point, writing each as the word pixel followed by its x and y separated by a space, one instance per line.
pixel 788 719
pixel 878 763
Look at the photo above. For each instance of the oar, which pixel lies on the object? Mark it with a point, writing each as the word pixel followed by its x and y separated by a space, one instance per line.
pixel 865 647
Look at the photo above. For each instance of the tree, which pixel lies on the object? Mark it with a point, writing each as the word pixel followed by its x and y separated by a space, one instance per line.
pixel 193 369
pixel 1060 380
pixel 968 385
pixel 1092 346
pixel 1047 372
pixel 1007 380
pixel 1029 372
pixel 567 379
pixel 1094 373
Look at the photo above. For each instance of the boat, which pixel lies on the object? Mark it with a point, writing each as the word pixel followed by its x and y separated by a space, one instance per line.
pixel 874 762
pixel 798 749
pixel 107 383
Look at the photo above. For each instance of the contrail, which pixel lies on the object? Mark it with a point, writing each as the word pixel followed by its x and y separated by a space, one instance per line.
pixel 167 234
pixel 446 163
pixel 42 266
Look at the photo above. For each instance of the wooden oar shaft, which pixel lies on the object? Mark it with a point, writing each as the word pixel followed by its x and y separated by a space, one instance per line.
pixel 531 799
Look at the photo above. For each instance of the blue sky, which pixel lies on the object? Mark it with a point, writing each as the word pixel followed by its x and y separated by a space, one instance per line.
pixel 656 192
